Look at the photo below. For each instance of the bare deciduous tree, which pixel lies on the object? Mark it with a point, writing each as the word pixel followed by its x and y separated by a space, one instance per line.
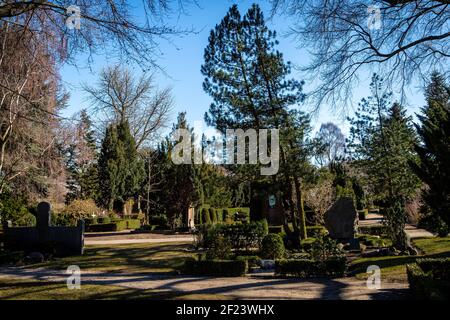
pixel 29 99
pixel 120 96
pixel 401 39
pixel 331 144
pixel 105 26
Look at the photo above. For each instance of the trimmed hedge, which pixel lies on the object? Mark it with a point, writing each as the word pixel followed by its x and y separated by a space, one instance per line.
pixel 220 268
pixel 106 227
pixel 439 268
pixel 303 268
pixel 374 230
pixel 133 223
pixel 240 235
pixel 272 246
pixel 252 261
pixel 429 278
pixel 159 220
pixel 422 284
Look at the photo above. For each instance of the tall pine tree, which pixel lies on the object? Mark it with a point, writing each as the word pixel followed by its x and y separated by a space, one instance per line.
pixel 434 148
pixel 382 144
pixel 248 81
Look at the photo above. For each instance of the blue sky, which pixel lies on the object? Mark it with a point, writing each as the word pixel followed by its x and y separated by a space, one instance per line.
pixel 183 58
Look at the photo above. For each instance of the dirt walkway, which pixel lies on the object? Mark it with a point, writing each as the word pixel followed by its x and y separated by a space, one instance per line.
pixel 249 287
pixel 411 231
pixel 112 238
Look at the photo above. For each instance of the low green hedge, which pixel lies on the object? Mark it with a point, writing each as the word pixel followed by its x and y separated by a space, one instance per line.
pixel 422 284
pixel 133 223
pixel 252 261
pixel 303 268
pixel 439 268
pixel 374 230
pixel 219 268
pixel 106 227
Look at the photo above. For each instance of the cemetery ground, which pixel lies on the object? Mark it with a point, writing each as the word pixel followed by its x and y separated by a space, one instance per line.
pixel 150 271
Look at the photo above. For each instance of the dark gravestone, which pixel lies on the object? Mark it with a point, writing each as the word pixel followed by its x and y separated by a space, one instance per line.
pixel 341 219
pixel 62 240
pixel 272 209
pixel 43 221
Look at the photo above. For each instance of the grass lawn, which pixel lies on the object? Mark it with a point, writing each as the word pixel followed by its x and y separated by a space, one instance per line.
pixel 394 268
pixel 142 257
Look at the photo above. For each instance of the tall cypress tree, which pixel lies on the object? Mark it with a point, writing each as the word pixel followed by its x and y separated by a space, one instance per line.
pixel 434 148
pixel 120 168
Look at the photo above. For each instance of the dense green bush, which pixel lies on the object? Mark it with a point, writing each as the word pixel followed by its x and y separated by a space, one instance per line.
pixel 159 220
pixel 439 267
pixel 374 230
pixel 324 248
pixel 252 261
pixel 80 210
pixel 133 223
pixel 106 227
pixel 206 217
pixel 220 249
pixel 240 235
pixel 272 246
pixel 218 268
pixel 334 266
pixel 423 286
pixel 212 215
pixel 226 215
pixel 15 209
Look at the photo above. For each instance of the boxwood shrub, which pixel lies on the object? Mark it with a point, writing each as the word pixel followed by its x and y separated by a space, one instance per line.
pixel 303 268
pixel 439 268
pixel 106 227
pixel 272 246
pixel 240 235
pixel 133 223
pixel 218 268
pixel 422 284
pixel 252 261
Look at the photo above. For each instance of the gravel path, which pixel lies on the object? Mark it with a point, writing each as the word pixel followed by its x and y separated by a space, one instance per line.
pixel 411 231
pixel 113 238
pixel 248 287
